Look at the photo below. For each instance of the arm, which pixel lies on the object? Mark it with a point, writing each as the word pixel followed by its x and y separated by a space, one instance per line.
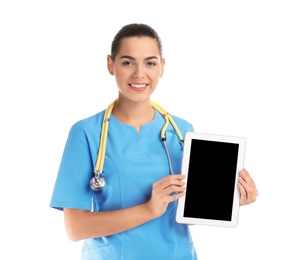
pixel 247 188
pixel 83 224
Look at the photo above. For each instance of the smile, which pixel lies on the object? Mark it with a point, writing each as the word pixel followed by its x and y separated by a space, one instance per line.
pixel 138 86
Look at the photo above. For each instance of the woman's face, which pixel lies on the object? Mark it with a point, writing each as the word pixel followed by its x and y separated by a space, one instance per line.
pixel 137 68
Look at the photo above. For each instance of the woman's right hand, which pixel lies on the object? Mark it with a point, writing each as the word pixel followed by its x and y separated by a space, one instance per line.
pixel 164 191
pixel 83 224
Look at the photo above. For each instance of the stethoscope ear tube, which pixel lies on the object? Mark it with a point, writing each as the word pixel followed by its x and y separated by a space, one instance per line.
pixel 103 141
pixel 98 182
pixel 167 117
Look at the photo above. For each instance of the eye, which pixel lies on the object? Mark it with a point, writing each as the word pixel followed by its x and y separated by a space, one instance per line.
pixel 127 63
pixel 151 63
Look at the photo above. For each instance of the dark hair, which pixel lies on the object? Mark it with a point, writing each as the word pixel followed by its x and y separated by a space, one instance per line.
pixel 134 30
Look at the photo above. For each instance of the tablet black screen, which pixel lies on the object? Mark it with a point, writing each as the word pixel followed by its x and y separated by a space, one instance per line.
pixel 211 180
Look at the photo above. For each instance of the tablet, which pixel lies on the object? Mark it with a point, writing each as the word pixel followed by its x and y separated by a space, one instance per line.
pixel 211 164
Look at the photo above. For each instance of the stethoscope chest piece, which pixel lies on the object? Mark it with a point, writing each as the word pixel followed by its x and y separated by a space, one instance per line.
pixel 97 183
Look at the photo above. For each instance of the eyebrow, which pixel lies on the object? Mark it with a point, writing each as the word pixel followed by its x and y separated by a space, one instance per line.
pixel 132 58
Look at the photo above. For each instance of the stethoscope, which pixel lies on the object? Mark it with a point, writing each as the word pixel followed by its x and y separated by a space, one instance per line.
pixel 98 182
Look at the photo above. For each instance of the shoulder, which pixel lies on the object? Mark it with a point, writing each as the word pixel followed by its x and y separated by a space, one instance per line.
pixel 89 122
pixel 183 124
pixel 86 127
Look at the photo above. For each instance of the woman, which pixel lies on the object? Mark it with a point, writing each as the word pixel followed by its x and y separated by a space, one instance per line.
pixel 133 215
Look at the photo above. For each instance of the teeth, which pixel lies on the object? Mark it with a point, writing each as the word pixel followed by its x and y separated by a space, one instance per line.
pixel 138 85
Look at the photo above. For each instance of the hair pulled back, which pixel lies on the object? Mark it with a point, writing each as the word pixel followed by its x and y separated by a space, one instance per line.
pixel 134 30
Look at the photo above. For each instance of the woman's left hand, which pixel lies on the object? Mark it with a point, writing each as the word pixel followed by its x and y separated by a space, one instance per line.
pixel 247 188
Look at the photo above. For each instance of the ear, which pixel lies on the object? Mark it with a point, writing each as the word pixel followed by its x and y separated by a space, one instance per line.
pixel 162 67
pixel 110 65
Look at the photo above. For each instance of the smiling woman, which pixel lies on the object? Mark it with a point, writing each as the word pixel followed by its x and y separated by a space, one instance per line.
pixel 137 68
pixel 136 206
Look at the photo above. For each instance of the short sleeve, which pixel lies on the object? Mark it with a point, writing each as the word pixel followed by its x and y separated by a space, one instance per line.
pixel 71 189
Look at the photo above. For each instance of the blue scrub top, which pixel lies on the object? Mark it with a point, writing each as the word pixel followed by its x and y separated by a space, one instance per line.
pixel 133 162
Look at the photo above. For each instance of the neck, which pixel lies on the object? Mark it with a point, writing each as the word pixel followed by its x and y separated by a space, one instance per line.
pixel 133 113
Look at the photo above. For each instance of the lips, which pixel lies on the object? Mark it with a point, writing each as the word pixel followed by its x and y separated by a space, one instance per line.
pixel 138 86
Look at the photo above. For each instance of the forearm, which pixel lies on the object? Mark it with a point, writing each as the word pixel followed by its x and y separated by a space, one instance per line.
pixel 82 224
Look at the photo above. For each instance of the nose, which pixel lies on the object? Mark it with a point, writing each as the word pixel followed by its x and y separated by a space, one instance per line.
pixel 138 72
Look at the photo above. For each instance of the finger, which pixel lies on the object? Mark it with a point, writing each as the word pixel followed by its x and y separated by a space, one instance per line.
pixel 248 192
pixel 168 189
pixel 172 189
pixel 167 186
pixel 244 174
pixel 172 177
pixel 165 196
pixel 175 196
pixel 243 194
pixel 170 180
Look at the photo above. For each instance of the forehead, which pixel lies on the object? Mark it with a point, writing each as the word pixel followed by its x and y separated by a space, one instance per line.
pixel 139 47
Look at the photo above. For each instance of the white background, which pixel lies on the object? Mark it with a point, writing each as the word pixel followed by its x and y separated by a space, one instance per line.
pixel 230 69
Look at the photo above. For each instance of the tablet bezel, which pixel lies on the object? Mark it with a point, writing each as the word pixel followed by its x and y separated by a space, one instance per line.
pixel 189 136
